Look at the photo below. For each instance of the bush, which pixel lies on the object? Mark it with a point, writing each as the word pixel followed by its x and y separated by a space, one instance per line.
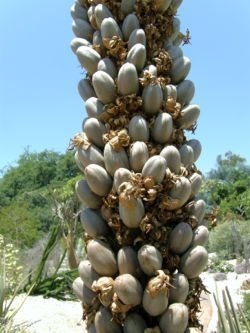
pixel 216 265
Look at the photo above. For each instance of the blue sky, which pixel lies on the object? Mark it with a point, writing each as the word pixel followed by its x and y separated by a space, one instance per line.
pixel 39 103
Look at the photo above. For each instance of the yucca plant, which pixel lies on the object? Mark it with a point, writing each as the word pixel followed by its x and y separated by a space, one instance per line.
pixel 143 224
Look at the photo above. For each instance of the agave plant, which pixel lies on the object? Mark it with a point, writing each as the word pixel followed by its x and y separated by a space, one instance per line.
pixel 143 224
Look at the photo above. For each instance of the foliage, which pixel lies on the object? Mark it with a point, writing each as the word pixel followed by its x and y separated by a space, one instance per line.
pixel 246 305
pixel 217 265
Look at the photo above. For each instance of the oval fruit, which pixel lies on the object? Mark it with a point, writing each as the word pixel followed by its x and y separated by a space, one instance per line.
pixel 138 155
pixel 150 259
pixel 87 273
pixel 127 82
pixel 172 157
pixel 185 92
pixel 98 179
pixel 137 36
pixel 131 210
pixel 94 107
pixel 129 24
pixel 101 12
pixel 110 29
pixel 155 305
pixel 121 175
pixel 94 129
pixel 107 65
pixel 104 322
pixel 86 196
pixel 85 89
pixel 128 261
pixel 175 319
pixel 137 56
pixel 82 29
pixel 178 293
pixel 201 235
pixel 181 192
pixel 163 128
pixel 180 238
pixel 152 97
pixel 196 146
pixel 155 167
pixel 104 87
pixel 194 261
pixel 180 69
pixel 92 223
pixel 138 129
pixel 88 58
pixel 189 116
pixel 128 289
pixel 115 159
pixel 77 42
pixel 187 155
pixel 134 323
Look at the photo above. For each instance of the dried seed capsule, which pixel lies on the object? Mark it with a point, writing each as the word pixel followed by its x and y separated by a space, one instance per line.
pixel 138 129
pixel 175 319
pixel 92 223
pixel 129 24
pixel 137 56
pixel 137 36
pixel 104 322
pixel 127 6
pixel 163 128
pixel 78 12
pixel 115 159
pixel 201 235
pixel 127 82
pixel 109 29
pixel 104 287
pixel 128 261
pixel 121 175
pixel 169 91
pixel 82 292
pixel 82 29
pixel 134 323
pixel 194 261
pixel 178 293
pixel 87 273
pixel 155 167
pixel 128 289
pixel 196 146
pixel 180 238
pixel 85 89
pixel 187 155
pixel 189 116
pixel 180 69
pixel 197 209
pixel 150 259
pixel 152 98
pixel 173 158
pixel 138 155
pixel 151 69
pixel 180 193
pixel 131 210
pixel 94 107
pixel 101 12
pixel 88 58
pixel 86 196
pixel 104 87
pixel 94 130
pixel 196 182
pixel 98 179
pixel 101 257
pixel 185 92
pixel 176 29
pixel 77 42
pixel 107 65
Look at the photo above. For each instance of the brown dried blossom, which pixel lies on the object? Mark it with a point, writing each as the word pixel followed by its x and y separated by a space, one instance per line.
pixel 104 287
pixel 117 49
pixel 159 284
pixel 163 63
pixel 117 139
pixel 79 141
pixel 173 108
pixel 118 306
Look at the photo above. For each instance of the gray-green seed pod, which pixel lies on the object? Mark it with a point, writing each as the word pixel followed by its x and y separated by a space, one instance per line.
pixel 176 29
pixel 98 179
pixel 115 159
pixel 155 305
pixel 138 155
pixel 109 29
pixel 90 155
pixel 175 319
pixel 88 58
pixel 78 162
pixel 138 129
pixel 179 292
pixel 121 175
pixel 102 257
pixel 180 69
pixel 104 322
pixel 181 192
pixel 175 4
pixel 91 16
pixel 127 6
pixel 163 128
pixel 87 273
pixel 97 39
pixel 197 209
pixel 131 210
pixel 82 292
pixel 194 261
pixel 129 24
pixel 104 87
pixel 128 289
pixel 78 12
pixel 185 92
pixel 86 196
pixel 94 129
pixel 93 223
pixel 82 29
pixel 175 52
pixel 189 116
pixel 137 36
pixel 180 238
pixel 77 42
pixel 91 329
pixel 137 56
pixel 134 323
pixel 187 155
pixel 127 261
pixel 196 182
pixel 152 97
pixel 127 82
pixel 200 237
pixel 155 167
pixel 196 146
pixel 101 12
pixel 85 89
pixel 150 259
pixel 107 65
pixel 94 107
pixel 172 157
pixel 169 91
pixel 151 69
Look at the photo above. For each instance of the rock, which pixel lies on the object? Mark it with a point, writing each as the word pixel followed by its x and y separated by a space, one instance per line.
pixel 220 276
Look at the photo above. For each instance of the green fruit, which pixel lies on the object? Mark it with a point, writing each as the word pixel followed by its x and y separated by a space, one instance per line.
pixel 152 98
pixel 150 259
pixel 104 322
pixel 87 273
pixel 110 29
pixel 85 89
pixel 138 155
pixel 94 129
pixel 172 157
pixel 86 196
pixel 128 289
pixel 179 292
pixel 115 159
pixel 189 116
pixel 155 167
pixel 104 87
pixel 107 65
pixel 194 261
pixel 185 92
pixel 88 58
pixel 175 319
pixel 127 82
pixel 77 42
pixel 163 128
pixel 129 24
pixel 180 238
pixel 98 179
pixel 134 323
pixel 102 12
pixel 180 69
pixel 82 29
pixel 137 56
pixel 138 129
pixel 94 107
pixel 128 261
pixel 137 36
pixel 131 210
